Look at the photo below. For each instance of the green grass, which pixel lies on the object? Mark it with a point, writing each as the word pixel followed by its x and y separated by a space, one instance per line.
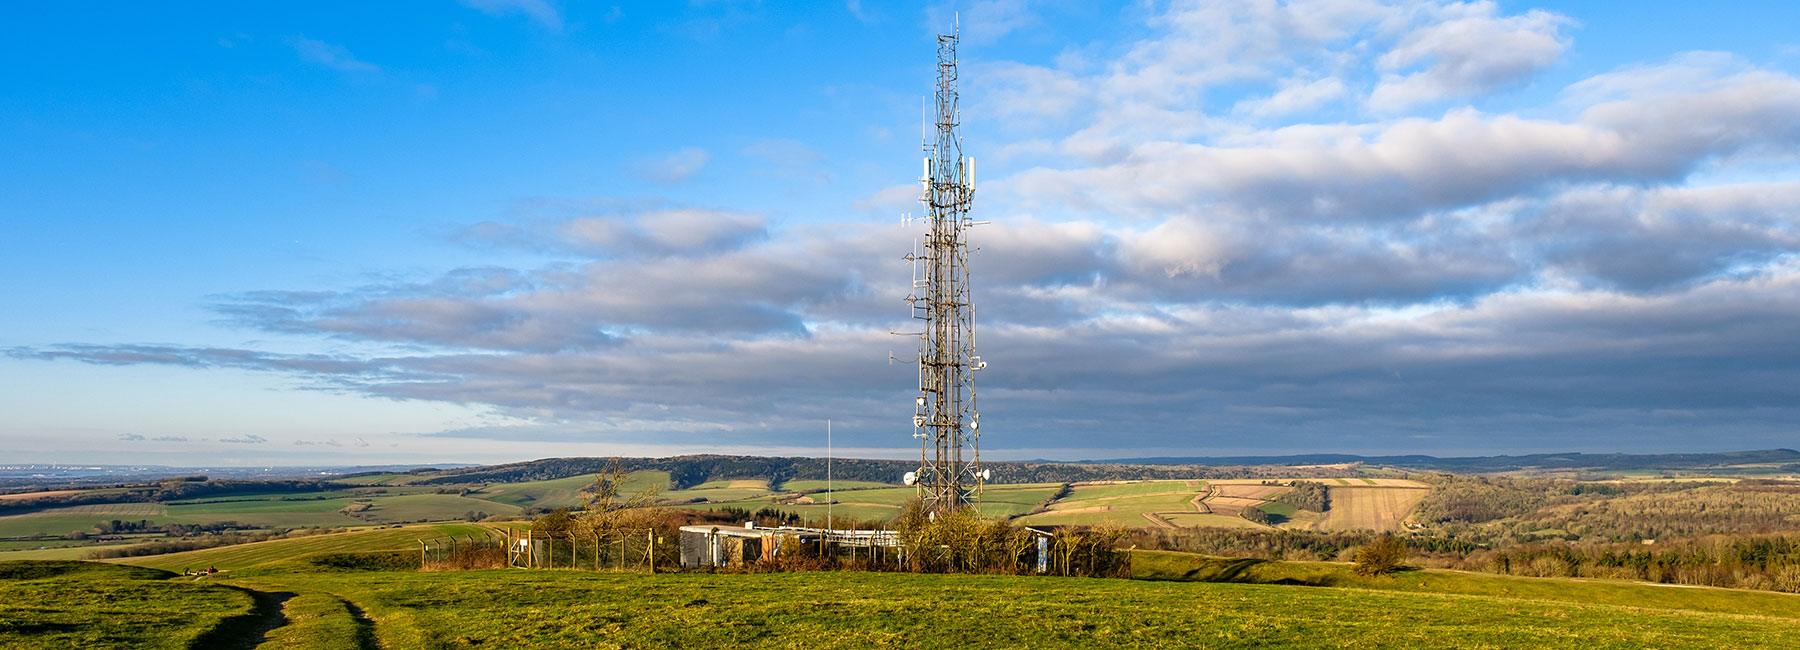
pixel 28 545
pixel 1283 510
pixel 809 486
pixel 86 605
pixel 432 507
pixel 318 620
pixel 301 510
pixel 1182 600
pixel 723 492
pixel 1161 565
pixel 1127 510
pixel 887 496
pixel 1084 492
pixel 59 521
pixel 555 609
pixel 227 558
pixel 66 553
pixel 563 492
pixel 1015 499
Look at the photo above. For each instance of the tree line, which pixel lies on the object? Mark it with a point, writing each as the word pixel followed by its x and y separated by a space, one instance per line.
pixel 176 489
pixel 688 471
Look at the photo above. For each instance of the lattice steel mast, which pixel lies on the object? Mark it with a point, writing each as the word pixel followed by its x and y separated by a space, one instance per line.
pixel 945 419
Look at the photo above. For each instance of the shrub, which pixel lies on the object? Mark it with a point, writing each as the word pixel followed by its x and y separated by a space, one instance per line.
pixel 1255 514
pixel 1381 557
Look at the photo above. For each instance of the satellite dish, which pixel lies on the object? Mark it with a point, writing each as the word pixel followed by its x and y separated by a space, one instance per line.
pixel 910 478
pixel 987 474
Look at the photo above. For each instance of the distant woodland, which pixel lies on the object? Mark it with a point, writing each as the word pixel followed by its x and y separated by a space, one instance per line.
pixel 688 471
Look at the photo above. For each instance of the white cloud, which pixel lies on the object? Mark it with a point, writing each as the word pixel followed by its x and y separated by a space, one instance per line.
pixel 1296 95
pixel 1467 50
pixel 675 167
pixel 326 54
pixel 539 10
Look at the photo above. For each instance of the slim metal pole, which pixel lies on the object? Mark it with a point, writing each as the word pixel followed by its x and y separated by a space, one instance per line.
pixel 828 499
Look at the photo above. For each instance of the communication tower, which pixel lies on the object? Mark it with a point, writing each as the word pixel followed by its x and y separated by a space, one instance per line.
pixel 945 420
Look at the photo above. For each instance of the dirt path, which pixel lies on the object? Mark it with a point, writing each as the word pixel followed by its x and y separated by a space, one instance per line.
pixel 1200 500
pixel 365 627
pixel 246 631
pixel 1159 521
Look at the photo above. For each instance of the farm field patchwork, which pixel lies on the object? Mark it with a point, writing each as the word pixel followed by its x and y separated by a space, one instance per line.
pixel 1081 491
pixel 884 502
pixel 722 491
pixel 1125 510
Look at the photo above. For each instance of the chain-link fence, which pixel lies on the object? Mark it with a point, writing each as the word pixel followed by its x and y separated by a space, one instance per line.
pixel 636 550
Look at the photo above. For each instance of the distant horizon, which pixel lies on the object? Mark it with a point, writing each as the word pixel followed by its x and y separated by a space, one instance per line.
pixel 1006 459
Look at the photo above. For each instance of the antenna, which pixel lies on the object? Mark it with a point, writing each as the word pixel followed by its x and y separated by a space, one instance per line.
pixel 828 498
pixel 944 415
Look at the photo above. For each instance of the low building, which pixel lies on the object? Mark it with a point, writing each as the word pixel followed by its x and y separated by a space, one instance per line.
pixel 727 546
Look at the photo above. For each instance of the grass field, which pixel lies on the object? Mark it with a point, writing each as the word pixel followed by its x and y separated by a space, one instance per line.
pixel 276 511
pixel 1081 492
pixel 59 521
pixel 723 491
pixel 1179 600
pixel 553 609
pixel 811 486
pixel 1124 510
pixel 229 558
pixel 95 606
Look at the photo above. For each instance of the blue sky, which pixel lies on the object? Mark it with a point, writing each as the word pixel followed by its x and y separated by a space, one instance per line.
pixel 504 229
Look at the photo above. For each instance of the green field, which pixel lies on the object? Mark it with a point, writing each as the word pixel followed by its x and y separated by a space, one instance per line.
pixel 91 606
pixel 1123 510
pixel 813 486
pixel 1180 600
pixel 878 503
pixel 228 558
pixel 562 492
pixel 303 510
pixel 1083 492
pixel 1284 510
